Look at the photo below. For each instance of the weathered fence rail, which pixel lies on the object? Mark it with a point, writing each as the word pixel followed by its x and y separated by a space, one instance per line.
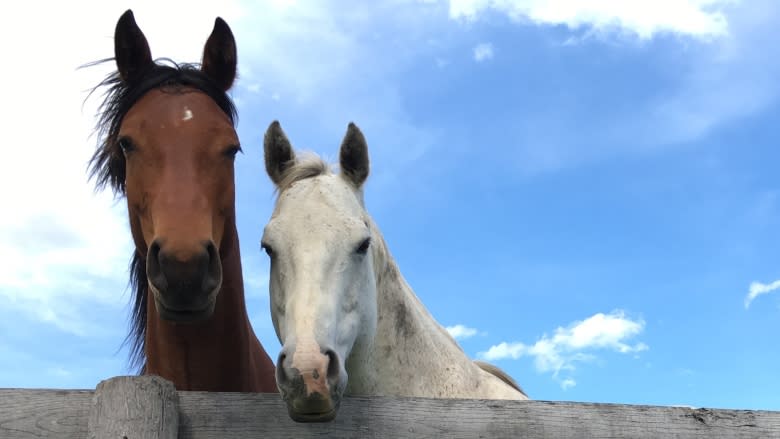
pixel 149 408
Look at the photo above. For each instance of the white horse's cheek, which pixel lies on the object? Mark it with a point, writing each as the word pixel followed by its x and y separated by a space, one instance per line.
pixel 278 314
pixel 347 332
pixel 279 326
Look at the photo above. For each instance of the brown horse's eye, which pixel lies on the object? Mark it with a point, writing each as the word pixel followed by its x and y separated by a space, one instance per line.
pixel 125 144
pixel 363 247
pixel 231 151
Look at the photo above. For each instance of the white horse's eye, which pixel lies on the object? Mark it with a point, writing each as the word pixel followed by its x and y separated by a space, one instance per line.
pixel 267 248
pixel 363 247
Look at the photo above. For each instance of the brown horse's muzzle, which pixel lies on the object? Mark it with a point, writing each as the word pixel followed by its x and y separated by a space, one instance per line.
pixel 185 284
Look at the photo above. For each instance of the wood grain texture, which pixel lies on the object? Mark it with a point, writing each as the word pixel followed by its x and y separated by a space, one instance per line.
pixel 229 416
pixel 64 414
pixel 143 407
pixel 43 413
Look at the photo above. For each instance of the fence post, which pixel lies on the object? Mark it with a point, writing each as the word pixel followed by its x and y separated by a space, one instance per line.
pixel 143 407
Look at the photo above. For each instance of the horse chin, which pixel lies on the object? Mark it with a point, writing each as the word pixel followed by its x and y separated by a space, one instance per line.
pixel 313 414
pixel 185 315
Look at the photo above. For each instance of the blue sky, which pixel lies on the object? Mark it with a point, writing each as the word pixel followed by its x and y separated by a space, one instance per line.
pixel 585 194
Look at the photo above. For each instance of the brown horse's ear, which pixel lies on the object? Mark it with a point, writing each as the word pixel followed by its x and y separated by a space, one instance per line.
pixel 279 155
pixel 219 55
pixel 131 50
pixel 353 157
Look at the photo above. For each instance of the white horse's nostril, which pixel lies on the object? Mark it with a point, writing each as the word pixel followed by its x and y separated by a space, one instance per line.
pixel 281 374
pixel 333 364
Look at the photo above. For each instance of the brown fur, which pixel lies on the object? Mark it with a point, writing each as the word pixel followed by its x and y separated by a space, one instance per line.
pixel 221 354
pixel 167 143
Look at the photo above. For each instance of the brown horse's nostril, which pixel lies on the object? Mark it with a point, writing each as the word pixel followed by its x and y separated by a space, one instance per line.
pixel 213 278
pixel 153 271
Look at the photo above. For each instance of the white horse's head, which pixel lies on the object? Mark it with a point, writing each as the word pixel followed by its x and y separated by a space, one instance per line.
pixel 322 284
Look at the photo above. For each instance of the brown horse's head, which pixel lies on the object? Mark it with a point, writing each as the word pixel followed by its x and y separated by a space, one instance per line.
pixel 169 146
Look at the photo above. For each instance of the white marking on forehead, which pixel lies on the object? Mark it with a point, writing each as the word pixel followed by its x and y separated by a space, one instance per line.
pixel 187 114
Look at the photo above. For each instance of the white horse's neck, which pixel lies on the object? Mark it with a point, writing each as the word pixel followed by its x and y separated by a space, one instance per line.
pixel 410 353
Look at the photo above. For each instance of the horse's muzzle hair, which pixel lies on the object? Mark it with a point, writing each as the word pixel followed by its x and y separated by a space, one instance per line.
pixel 185 283
pixel 310 383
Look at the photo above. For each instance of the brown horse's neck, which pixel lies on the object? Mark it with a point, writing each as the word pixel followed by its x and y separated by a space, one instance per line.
pixel 221 354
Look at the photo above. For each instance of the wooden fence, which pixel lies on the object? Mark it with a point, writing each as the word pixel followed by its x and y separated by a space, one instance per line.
pixel 150 407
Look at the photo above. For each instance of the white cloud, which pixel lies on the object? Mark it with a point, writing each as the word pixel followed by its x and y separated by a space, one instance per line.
pixel 739 69
pixel 570 345
pixel 644 18
pixel 328 63
pixel 461 332
pixel 757 289
pixel 742 66
pixel 299 49
pixel 568 383
pixel 483 52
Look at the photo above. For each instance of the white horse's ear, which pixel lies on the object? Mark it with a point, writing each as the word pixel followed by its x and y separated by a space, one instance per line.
pixel 279 155
pixel 353 157
pixel 131 50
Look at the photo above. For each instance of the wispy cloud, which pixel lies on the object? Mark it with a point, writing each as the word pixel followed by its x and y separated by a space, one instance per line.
pixel 574 343
pixel 461 332
pixel 643 18
pixel 741 65
pixel 684 371
pixel 757 289
pixel 348 59
pixel 738 67
pixel 483 52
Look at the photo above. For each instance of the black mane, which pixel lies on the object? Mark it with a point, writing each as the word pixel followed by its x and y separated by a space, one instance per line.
pixel 107 165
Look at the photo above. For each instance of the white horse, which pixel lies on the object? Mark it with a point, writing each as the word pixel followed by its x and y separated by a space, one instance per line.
pixel 339 303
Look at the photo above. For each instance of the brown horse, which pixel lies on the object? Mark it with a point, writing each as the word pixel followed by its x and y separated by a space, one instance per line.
pixel 167 142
